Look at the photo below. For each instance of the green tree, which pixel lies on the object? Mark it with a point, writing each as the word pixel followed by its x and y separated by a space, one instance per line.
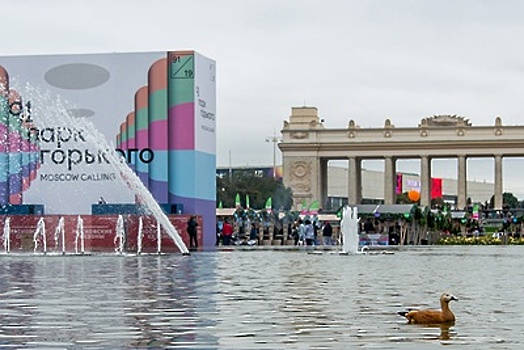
pixel 258 187
pixel 508 200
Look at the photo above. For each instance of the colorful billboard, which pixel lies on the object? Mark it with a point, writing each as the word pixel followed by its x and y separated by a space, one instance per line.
pixel 157 108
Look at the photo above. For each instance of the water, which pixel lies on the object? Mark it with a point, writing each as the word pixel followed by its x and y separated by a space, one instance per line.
pixel 119 235
pixel 261 300
pixel 60 235
pixel 6 236
pixel 79 235
pixel 40 233
pixel 349 228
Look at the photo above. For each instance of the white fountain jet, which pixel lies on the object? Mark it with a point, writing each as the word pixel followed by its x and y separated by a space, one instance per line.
pixel 92 136
pixel 79 235
pixel 118 163
pixel 60 234
pixel 119 235
pixel 40 231
pixel 140 235
pixel 349 228
pixel 6 238
pixel 158 238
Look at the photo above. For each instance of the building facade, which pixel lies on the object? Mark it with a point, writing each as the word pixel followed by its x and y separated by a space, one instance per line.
pixel 308 146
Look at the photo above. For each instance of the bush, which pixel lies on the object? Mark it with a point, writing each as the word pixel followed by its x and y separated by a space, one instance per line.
pixel 482 240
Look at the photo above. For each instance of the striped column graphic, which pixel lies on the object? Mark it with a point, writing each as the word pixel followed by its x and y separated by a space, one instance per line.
pixel 158 130
pixel 14 140
pixel 118 140
pixel 123 136
pixel 4 132
pixel 131 144
pixel 192 136
pixel 141 132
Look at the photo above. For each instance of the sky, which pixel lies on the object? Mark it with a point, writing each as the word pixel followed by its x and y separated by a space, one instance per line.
pixel 362 60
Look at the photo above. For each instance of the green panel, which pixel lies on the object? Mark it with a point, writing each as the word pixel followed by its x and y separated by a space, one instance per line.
pixel 181 80
pixel 181 91
pixel 157 106
pixel 141 120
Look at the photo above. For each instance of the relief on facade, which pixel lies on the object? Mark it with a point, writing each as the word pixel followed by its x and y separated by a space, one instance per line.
pixel 445 120
pixel 299 135
pixel 301 176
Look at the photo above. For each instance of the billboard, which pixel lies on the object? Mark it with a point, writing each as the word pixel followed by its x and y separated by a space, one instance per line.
pixel 157 108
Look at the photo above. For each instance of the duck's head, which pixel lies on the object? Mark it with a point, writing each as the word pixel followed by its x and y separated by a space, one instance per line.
pixel 446 297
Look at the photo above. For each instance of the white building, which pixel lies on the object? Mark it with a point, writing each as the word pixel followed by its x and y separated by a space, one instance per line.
pixel 373 189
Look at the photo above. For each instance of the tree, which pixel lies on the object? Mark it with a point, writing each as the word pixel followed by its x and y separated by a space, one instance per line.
pixel 508 200
pixel 258 187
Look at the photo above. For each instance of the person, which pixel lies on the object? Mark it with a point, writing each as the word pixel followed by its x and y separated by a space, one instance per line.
pixel 227 232
pixel 301 232
pixel 192 231
pixel 220 226
pixel 253 233
pixel 327 233
pixel 294 234
pixel 369 227
pixel 310 233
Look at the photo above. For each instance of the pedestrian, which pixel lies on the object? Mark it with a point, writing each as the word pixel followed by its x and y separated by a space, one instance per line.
pixel 327 233
pixel 310 233
pixel 220 226
pixel 301 232
pixel 227 232
pixel 192 231
pixel 253 233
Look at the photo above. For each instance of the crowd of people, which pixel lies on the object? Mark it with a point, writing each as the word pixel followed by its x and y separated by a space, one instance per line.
pixel 243 231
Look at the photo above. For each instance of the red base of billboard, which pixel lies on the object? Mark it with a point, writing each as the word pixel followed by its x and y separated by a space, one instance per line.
pixel 99 232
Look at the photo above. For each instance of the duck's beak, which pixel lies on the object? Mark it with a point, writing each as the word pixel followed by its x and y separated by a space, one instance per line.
pixel 453 298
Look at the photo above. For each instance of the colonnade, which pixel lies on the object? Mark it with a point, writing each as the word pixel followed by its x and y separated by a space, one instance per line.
pixel 307 146
pixel 390 180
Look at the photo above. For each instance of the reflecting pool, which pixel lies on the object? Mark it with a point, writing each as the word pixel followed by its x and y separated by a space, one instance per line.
pixel 261 299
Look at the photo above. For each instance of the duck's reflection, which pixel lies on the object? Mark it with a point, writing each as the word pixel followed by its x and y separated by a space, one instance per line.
pixel 445 330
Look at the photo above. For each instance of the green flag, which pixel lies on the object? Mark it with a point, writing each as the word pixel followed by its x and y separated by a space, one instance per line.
pixel 237 200
pixel 220 206
pixel 303 210
pixel 247 201
pixel 314 207
pixel 269 204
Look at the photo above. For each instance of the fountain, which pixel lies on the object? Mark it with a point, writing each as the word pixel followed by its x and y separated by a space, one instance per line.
pixel 115 160
pixel 60 235
pixel 158 239
pixel 349 228
pixel 79 235
pixel 119 235
pixel 140 236
pixel 6 238
pixel 40 231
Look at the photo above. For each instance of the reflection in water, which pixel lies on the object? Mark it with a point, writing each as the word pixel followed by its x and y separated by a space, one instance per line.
pixel 259 299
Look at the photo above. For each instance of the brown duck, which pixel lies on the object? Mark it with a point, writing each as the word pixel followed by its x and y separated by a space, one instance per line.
pixel 426 316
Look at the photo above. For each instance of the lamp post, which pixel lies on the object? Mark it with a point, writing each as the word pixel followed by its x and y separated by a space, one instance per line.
pixel 275 140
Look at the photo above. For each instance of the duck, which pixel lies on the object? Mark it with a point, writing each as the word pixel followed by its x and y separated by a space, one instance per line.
pixel 429 316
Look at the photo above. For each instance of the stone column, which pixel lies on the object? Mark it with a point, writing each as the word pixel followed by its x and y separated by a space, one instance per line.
pixel 461 182
pixel 354 181
pixel 390 180
pixel 323 194
pixel 498 200
pixel 425 181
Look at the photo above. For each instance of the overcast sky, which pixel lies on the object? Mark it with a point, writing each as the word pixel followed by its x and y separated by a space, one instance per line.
pixel 361 60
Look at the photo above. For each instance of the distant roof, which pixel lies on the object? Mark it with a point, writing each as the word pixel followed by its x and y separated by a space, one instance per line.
pixel 383 208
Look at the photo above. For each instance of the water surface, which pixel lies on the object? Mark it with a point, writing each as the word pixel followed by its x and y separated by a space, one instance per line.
pixel 261 299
